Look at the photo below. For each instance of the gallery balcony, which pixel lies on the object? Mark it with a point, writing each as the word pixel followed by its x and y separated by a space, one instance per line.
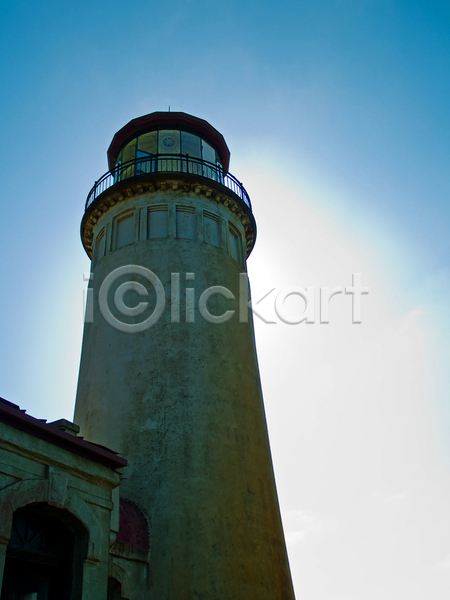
pixel 182 166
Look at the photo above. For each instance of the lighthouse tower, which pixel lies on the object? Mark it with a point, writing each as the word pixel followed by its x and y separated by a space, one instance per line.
pixel 169 375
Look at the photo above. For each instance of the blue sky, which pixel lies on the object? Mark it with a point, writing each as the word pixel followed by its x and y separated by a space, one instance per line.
pixel 336 115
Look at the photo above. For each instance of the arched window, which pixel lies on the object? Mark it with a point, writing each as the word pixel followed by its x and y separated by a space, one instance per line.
pixel 45 555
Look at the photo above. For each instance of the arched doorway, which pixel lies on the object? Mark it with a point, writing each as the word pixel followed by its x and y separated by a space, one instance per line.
pixel 45 555
pixel 114 589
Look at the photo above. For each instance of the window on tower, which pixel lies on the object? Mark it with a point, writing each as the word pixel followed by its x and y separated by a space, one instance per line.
pixel 168 150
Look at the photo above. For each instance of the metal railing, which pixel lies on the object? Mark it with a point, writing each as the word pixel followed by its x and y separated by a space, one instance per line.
pixel 168 163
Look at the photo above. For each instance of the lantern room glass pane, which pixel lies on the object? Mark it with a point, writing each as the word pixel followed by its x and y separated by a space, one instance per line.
pixel 190 144
pixel 148 142
pixel 169 142
pixel 208 152
pixel 145 163
pixel 138 155
pixel 129 151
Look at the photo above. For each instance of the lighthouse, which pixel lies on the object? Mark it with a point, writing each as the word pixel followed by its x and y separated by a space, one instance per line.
pixel 169 375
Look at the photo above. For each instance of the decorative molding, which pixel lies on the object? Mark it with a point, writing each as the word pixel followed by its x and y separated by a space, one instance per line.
pixel 111 197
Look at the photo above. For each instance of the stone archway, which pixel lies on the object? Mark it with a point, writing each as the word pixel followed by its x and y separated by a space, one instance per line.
pixel 53 493
pixel 45 555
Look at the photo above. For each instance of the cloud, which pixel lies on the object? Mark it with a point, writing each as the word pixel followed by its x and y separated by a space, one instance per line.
pixel 294 537
pixel 443 565
pixel 390 498
pixel 300 524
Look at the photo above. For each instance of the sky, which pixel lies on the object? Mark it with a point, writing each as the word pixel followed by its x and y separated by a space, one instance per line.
pixel 336 115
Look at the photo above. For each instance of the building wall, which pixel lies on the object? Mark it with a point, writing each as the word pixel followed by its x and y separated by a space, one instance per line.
pixel 37 472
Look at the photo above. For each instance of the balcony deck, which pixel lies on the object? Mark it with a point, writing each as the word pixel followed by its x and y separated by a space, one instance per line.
pixel 168 163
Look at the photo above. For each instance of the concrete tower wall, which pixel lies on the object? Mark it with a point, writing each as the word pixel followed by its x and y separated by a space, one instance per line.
pixel 182 400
